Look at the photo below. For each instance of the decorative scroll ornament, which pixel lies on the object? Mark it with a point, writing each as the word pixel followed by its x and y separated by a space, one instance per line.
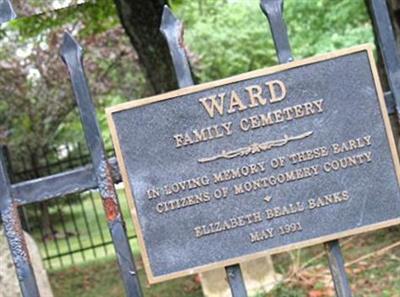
pixel 256 148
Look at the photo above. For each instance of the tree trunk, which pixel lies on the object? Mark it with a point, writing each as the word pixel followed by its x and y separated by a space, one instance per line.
pixel 141 20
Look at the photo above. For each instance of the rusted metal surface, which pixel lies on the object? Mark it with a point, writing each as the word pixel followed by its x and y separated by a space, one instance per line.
pixel 107 192
pixel 72 55
pixel 15 236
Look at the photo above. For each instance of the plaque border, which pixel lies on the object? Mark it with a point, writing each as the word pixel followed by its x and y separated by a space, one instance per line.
pixel 253 74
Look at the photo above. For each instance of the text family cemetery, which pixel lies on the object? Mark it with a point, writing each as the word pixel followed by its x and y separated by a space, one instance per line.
pixel 267 161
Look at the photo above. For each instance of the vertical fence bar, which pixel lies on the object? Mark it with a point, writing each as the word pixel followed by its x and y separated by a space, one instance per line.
pixel 387 44
pixel 77 231
pixel 59 212
pixel 337 268
pixel 15 236
pixel 8 162
pixel 6 11
pixel 273 10
pixel 235 280
pixel 65 231
pixel 42 237
pixel 45 211
pixel 72 56
pixel 172 30
pixel 72 210
pixel 9 210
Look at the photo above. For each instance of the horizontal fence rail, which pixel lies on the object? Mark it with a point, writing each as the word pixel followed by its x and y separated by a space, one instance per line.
pixel 58 185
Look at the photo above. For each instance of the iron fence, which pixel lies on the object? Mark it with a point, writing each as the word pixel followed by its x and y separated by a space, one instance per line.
pixel 103 172
pixel 70 230
pixel 46 161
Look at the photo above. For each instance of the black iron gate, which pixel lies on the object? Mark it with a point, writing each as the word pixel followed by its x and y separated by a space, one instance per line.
pixel 103 172
pixel 70 230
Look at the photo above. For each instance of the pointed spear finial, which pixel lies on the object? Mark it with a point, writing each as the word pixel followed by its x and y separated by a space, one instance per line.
pixel 70 50
pixel 172 30
pixel 7 12
pixel 169 22
pixel 273 10
pixel 271 6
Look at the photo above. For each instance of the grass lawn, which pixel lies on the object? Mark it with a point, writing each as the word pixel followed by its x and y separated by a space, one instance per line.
pixel 373 266
pixel 102 279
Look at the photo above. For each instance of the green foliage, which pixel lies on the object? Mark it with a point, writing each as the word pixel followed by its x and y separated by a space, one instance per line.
pixel 39 110
pixel 232 37
pixel 322 26
pixel 94 18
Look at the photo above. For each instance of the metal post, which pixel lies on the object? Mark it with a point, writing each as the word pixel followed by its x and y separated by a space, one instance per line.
pixel 15 236
pixel 9 209
pixel 236 282
pixel 72 55
pixel 273 9
pixel 337 268
pixel 6 11
pixel 387 44
pixel 172 29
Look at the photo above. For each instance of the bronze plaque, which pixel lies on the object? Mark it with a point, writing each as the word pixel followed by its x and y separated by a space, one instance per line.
pixel 263 162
